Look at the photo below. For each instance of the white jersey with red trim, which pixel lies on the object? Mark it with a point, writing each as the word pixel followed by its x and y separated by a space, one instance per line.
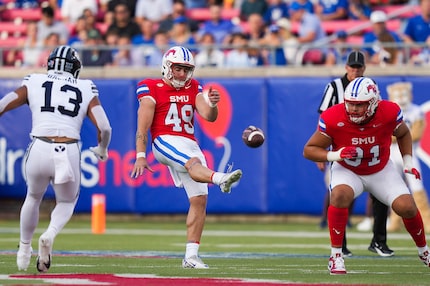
pixel 58 103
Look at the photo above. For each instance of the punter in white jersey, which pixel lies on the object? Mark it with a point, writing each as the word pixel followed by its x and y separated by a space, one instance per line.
pixel 401 93
pixel 166 109
pixel 59 102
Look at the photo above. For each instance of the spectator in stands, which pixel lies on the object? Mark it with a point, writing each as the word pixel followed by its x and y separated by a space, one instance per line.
pixel 332 10
pixel 276 10
pixel 123 23
pixel 359 10
pixel 289 43
pixel 123 57
pixel 91 55
pixel 30 49
pixel 239 57
pixel 161 44
pixel 90 19
pixel 48 25
pixel 256 28
pixel 180 34
pixel 79 33
pixel 209 55
pixel 71 10
pixel 107 7
pixel 302 4
pixel 272 52
pixel 339 52
pixel 154 10
pixel 418 27
pixel 423 57
pixel 310 35
pixel 51 42
pixel 147 34
pixel 249 7
pixel 380 42
pixel 179 9
pixel 220 28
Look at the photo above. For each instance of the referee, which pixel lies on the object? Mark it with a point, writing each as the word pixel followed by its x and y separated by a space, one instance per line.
pixel 333 94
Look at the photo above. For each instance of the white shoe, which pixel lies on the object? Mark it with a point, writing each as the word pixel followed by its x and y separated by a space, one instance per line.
pixel 229 179
pixel 44 259
pixel 336 265
pixel 425 258
pixel 365 225
pixel 194 262
pixel 23 256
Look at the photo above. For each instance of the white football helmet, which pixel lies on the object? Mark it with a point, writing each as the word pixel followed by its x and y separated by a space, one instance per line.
pixel 400 93
pixel 177 56
pixel 362 90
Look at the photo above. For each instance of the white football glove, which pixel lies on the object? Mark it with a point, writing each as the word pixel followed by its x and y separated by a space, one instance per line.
pixel 101 153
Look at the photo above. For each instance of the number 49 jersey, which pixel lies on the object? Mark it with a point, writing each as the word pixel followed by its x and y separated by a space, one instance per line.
pixel 174 108
pixel 58 103
pixel 372 139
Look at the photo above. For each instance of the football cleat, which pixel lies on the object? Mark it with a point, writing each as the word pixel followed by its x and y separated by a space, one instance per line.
pixel 425 258
pixel 346 252
pixel 23 256
pixel 194 262
pixel 336 265
pixel 229 179
pixel 44 259
pixel 381 249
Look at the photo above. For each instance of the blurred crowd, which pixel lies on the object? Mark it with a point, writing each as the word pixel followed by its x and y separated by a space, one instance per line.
pixel 136 33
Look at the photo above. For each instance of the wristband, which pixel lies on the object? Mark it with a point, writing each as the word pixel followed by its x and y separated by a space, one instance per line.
pixel 140 155
pixel 334 155
pixel 407 160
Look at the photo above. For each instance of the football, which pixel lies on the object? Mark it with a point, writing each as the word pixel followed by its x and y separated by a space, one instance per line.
pixel 253 136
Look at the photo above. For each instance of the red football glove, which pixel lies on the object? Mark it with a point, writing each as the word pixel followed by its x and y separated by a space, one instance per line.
pixel 408 167
pixel 348 152
pixel 343 153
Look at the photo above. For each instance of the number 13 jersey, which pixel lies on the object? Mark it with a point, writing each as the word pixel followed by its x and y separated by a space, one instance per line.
pixel 58 103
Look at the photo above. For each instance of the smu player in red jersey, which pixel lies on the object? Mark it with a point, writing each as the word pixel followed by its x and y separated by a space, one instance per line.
pixel 359 133
pixel 166 108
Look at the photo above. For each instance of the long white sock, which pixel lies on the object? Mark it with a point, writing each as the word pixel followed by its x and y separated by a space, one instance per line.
pixel 29 218
pixel 335 250
pixel 216 177
pixel 192 248
pixel 421 250
pixel 60 216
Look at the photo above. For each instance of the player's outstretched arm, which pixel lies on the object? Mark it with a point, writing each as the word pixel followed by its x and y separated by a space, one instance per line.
pixel 99 118
pixel 13 99
pixel 404 140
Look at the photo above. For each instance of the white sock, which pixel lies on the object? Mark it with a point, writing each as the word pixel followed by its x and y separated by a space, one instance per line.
pixel 421 250
pixel 192 248
pixel 335 250
pixel 216 177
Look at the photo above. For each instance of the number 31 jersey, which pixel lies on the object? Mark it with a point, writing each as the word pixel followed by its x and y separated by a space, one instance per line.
pixel 174 108
pixel 372 139
pixel 58 103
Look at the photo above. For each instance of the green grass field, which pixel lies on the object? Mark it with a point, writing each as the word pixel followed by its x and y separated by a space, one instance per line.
pixel 267 251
